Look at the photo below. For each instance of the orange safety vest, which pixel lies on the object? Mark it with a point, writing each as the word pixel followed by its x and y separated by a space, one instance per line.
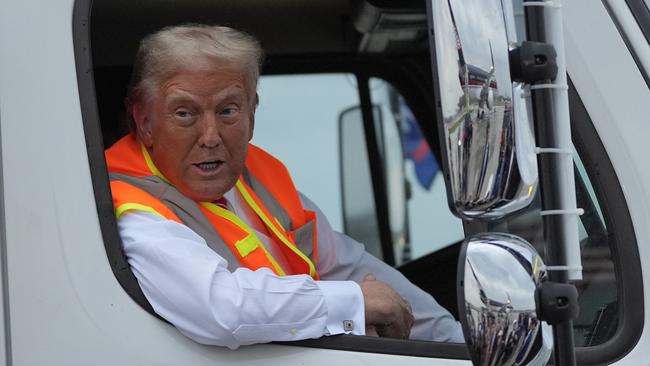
pixel 265 185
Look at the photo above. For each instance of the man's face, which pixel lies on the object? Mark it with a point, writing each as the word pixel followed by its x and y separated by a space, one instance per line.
pixel 197 127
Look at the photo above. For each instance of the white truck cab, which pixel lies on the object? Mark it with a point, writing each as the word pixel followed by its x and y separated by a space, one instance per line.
pixel 350 94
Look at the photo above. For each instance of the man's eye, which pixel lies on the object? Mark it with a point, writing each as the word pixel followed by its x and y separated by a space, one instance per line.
pixel 230 111
pixel 184 116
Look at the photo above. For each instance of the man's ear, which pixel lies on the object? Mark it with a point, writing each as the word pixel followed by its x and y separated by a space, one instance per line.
pixel 142 123
pixel 251 124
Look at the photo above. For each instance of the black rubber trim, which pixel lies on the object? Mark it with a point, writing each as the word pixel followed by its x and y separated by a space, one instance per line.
pixel 96 160
pixel 642 15
pixel 625 253
pixel 6 313
pixel 460 292
pixel 455 351
pixel 626 39
pixel 388 5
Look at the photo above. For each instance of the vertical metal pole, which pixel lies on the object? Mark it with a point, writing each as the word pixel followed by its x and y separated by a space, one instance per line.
pixel 376 170
pixel 550 183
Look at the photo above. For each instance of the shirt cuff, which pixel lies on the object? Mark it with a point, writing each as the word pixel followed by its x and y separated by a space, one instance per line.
pixel 345 307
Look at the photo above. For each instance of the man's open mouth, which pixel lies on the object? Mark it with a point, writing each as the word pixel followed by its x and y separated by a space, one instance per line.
pixel 208 166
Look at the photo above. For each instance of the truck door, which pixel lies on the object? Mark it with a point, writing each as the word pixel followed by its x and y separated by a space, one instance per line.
pixel 355 66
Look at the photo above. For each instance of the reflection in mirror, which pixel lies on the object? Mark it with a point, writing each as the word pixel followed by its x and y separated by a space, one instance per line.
pixel 499 275
pixel 485 121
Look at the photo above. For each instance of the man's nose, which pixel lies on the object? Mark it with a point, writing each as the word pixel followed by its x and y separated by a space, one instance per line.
pixel 210 133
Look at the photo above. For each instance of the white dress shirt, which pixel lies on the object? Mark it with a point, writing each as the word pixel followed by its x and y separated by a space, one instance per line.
pixel 189 284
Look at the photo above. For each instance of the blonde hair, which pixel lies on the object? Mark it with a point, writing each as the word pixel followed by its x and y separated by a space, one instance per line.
pixel 172 49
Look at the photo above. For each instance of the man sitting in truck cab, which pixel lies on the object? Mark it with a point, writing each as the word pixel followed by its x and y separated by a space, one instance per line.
pixel 223 245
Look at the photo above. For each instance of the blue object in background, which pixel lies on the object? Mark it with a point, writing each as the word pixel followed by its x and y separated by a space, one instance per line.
pixel 416 148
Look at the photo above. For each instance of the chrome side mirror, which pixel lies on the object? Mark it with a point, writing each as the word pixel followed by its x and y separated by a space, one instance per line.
pixel 483 121
pixel 499 275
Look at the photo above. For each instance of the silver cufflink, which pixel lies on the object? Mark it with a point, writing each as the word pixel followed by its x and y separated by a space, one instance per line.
pixel 348 325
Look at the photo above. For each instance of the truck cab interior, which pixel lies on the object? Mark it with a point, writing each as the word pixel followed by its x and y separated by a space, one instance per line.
pixel 374 38
pixel 363 39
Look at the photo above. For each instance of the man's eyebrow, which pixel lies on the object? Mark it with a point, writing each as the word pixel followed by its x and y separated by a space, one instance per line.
pixel 180 96
pixel 232 92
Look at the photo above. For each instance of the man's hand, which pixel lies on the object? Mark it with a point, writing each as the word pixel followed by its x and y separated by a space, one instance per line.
pixel 385 309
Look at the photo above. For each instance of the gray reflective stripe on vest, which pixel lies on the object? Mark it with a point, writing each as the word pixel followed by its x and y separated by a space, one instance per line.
pixel 189 212
pixel 303 236
pixel 186 209
pixel 304 239
pixel 268 200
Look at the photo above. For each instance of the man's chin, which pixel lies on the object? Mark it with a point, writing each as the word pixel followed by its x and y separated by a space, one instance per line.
pixel 207 197
pixel 206 194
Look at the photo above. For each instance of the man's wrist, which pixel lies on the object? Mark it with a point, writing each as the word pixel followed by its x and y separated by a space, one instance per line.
pixel 345 309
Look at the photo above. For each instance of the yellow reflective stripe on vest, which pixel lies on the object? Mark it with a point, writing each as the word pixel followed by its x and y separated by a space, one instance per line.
pixel 250 242
pixel 123 208
pixel 247 245
pixel 267 221
pixel 151 165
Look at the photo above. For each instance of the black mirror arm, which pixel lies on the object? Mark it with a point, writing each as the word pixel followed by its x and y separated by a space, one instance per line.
pixel 556 302
pixel 532 62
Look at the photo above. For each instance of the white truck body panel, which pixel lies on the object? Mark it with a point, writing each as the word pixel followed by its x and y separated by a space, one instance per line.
pixel 615 94
pixel 66 308
pixel 65 305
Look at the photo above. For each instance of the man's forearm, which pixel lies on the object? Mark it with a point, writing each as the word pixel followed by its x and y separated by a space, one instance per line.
pixel 189 285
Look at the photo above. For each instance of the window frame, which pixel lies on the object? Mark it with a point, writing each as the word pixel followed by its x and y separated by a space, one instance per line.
pixel 376 169
pixel 641 14
pixel 624 245
pixel 97 163
pixel 410 78
pixel 404 78
pixel 641 11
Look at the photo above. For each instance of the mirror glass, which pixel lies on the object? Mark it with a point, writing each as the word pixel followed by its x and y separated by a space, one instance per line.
pixel 499 274
pixel 485 123
pixel 359 211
